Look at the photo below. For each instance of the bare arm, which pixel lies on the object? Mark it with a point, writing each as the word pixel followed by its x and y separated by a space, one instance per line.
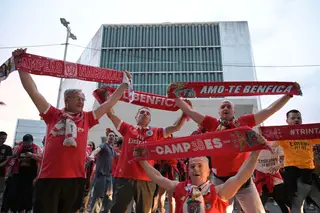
pixel 157 178
pixel 232 185
pixel 31 88
pixel 176 126
pixel 95 152
pixel 195 116
pixel 114 98
pixel 115 119
pixel 264 114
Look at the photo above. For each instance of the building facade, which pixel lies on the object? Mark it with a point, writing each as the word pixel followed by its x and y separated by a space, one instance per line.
pixel 37 128
pixel 158 54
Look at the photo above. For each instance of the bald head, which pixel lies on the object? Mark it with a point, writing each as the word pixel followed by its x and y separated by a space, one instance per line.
pixel 227 110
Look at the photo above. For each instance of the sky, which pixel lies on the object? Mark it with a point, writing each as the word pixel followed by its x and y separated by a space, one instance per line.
pixel 283 32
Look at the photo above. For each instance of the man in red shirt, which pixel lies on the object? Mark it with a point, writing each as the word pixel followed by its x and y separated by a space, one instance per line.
pixel 198 194
pixel 61 181
pixel 132 182
pixel 225 167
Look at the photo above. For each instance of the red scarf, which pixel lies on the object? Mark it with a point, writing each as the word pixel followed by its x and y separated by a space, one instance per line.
pixel 39 65
pixel 139 98
pixel 262 179
pixel 221 89
pixel 237 140
pixel 14 162
pixel 68 122
pixel 291 132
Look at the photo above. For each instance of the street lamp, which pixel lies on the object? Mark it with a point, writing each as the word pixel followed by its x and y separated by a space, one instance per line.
pixel 65 23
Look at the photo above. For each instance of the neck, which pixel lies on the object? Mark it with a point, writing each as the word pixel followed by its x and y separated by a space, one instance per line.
pixel 142 125
pixel 198 182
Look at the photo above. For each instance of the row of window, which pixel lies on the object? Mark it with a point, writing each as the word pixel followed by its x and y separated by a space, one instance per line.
pixel 163 59
pixel 206 34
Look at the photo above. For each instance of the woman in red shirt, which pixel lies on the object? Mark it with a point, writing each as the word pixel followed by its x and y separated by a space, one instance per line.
pixel 198 194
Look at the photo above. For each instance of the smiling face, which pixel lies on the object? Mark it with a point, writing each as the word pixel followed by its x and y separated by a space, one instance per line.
pixel 74 101
pixel 143 117
pixel 226 111
pixel 199 170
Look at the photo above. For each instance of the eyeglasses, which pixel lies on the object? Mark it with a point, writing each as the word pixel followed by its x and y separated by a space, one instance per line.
pixel 144 112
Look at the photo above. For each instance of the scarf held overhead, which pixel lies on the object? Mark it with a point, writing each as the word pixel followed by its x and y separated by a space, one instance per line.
pixel 139 98
pixel 291 132
pixel 39 65
pixel 219 143
pixel 221 89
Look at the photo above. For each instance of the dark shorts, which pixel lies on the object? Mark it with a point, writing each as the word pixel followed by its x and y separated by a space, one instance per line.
pixel 101 185
pixel 291 175
pixel 58 195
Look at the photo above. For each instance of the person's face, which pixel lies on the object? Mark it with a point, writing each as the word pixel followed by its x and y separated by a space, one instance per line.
pixel 111 138
pixel 294 118
pixel 75 102
pixel 143 117
pixel 226 111
pixel 199 170
pixel 3 139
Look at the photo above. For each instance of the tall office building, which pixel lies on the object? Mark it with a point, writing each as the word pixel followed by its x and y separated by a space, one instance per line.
pixel 37 128
pixel 158 54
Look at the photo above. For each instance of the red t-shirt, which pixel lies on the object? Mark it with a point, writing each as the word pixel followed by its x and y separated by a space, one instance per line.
pixel 230 164
pixel 132 136
pixel 213 203
pixel 115 162
pixel 60 161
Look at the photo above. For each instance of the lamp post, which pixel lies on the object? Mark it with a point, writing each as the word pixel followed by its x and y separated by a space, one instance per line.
pixel 65 23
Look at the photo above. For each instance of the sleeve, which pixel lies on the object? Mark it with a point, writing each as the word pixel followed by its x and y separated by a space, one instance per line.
pixel 210 123
pixel 103 146
pixel 49 114
pixel 247 120
pixel 92 120
pixel 123 128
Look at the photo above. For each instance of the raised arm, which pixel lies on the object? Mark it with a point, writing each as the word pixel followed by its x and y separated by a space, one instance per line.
pixel 176 126
pixel 233 184
pixel 114 98
pixel 31 88
pixel 157 178
pixel 195 116
pixel 264 114
pixel 114 118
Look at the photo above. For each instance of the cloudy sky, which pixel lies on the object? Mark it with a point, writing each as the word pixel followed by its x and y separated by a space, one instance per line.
pixel 283 32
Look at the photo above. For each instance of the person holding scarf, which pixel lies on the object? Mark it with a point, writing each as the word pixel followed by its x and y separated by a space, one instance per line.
pixel 132 182
pixel 298 165
pixel 61 181
pixel 226 166
pixel 23 169
pixel 198 194
pixel 268 179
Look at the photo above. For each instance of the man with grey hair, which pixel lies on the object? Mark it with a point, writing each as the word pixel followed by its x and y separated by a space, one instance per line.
pixel 61 181
pixel 227 166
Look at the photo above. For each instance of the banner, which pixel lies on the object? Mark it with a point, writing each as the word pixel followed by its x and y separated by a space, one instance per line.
pixel 139 98
pixel 39 65
pixel 222 89
pixel 291 132
pixel 218 143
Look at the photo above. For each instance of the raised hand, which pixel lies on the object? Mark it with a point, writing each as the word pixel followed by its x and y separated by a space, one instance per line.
pixel 18 52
